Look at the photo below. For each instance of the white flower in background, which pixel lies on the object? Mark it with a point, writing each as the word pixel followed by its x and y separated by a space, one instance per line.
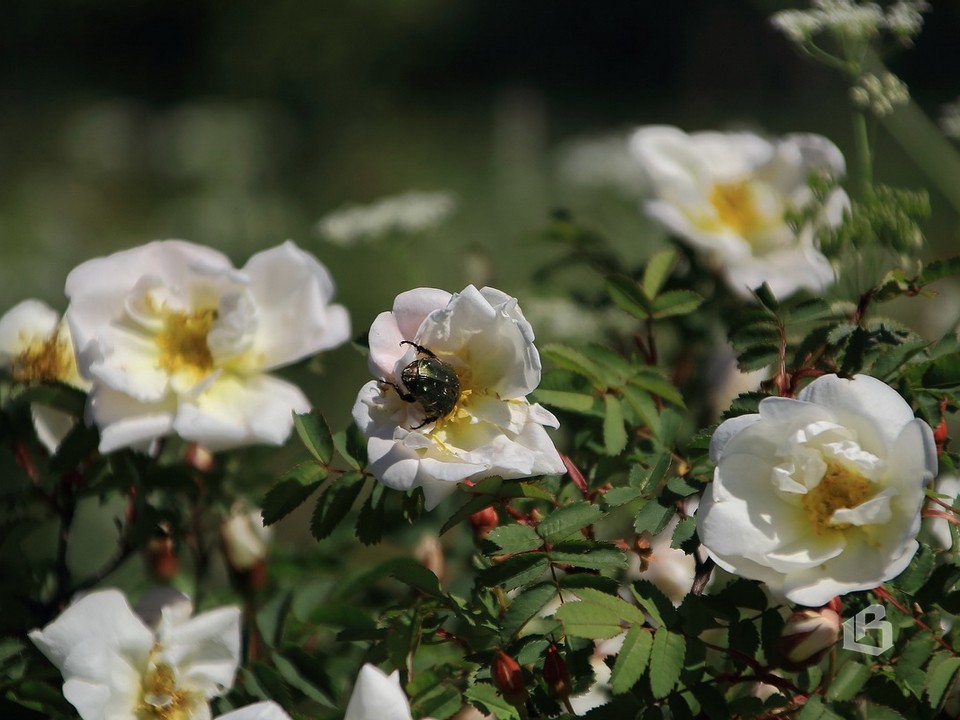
pixel 851 21
pixel 950 119
pixel 485 425
pixel 820 495
pixel 602 161
pixel 268 710
pixel 728 194
pixel 938 528
pixel 114 666
pixel 176 340
pixel 880 93
pixel 670 569
pixel 35 346
pixel 410 212
pixel 378 696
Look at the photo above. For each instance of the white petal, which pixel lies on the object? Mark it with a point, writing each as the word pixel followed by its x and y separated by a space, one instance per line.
pixel 727 430
pixel 51 425
pixel 259 711
pixel 671 161
pixel 26 323
pixel 874 410
pixel 292 291
pixel 98 288
pixel 239 411
pixel 125 422
pixel 377 696
pixel 205 649
pixel 158 600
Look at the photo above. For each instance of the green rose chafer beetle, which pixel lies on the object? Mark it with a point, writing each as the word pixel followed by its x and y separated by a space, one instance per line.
pixel 431 382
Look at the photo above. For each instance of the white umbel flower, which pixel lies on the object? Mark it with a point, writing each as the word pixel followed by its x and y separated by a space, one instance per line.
pixel 820 495
pixel 492 429
pixel 176 340
pixel 409 212
pixel 115 667
pixel 728 194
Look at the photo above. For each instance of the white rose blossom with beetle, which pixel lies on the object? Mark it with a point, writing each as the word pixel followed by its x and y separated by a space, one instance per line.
pixel 449 400
pixel 820 495
pixel 176 340
pixel 728 195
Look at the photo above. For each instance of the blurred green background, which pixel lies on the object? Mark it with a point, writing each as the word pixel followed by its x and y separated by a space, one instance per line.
pixel 239 124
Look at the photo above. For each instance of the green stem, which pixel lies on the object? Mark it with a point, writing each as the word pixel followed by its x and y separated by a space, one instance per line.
pixel 861 139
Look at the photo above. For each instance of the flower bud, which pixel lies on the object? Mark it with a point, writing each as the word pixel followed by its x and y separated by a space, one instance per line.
pixel 508 678
pixel 483 521
pixel 163 564
pixel 429 553
pixel 245 540
pixel 199 457
pixel 555 673
pixel 807 636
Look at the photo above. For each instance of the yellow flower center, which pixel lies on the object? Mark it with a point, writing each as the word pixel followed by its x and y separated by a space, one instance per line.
pixel 163 700
pixel 43 361
pixel 183 341
pixel 839 488
pixel 734 203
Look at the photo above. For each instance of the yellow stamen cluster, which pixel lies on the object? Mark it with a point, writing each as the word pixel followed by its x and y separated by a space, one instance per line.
pixel 162 699
pixel 735 207
pixel 44 361
pixel 183 341
pixel 839 488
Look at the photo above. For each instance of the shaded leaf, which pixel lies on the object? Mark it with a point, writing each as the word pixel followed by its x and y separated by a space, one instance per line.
pixel 315 434
pixel 666 661
pixel 291 491
pixel 614 433
pixel 657 270
pixel 632 659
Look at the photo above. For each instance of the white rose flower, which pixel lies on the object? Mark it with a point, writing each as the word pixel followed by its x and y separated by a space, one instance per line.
pixel 115 666
pixel 378 696
pixel 820 495
pixel 727 194
pixel 35 346
pixel 481 338
pixel 176 340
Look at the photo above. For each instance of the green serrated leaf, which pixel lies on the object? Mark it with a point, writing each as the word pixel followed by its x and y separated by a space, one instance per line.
pixel 614 433
pixel 629 296
pixel 516 571
pixel 683 533
pixel 291 491
pixel 620 496
pixel 524 607
pixel 655 383
pixel 765 297
pixel 849 681
pixel 315 434
pixel 570 401
pixel 940 677
pixel 334 504
pixel 909 669
pixel 569 519
pixel 414 574
pixel 666 661
pixel 657 270
pixel 576 362
pixel 486 698
pixel 744 637
pixel 597 615
pixel 590 556
pixel 810 310
pixel 657 605
pixel 918 571
pixel 939 269
pixel 474 504
pixel 643 404
pixel 515 538
pixel 369 528
pixel 632 659
pixel 943 373
pixel 653 517
pixel 676 302
pixel 757 358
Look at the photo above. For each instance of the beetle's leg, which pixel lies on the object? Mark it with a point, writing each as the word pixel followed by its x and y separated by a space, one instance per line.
pixel 427 421
pixel 405 396
pixel 420 348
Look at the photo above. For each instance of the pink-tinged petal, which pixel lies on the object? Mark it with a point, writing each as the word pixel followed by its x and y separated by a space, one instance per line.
pixel 293 292
pixel 26 323
pixel 386 346
pixel 377 696
pixel 259 711
pixel 412 307
pixel 205 649
pixel 126 422
pixel 237 411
